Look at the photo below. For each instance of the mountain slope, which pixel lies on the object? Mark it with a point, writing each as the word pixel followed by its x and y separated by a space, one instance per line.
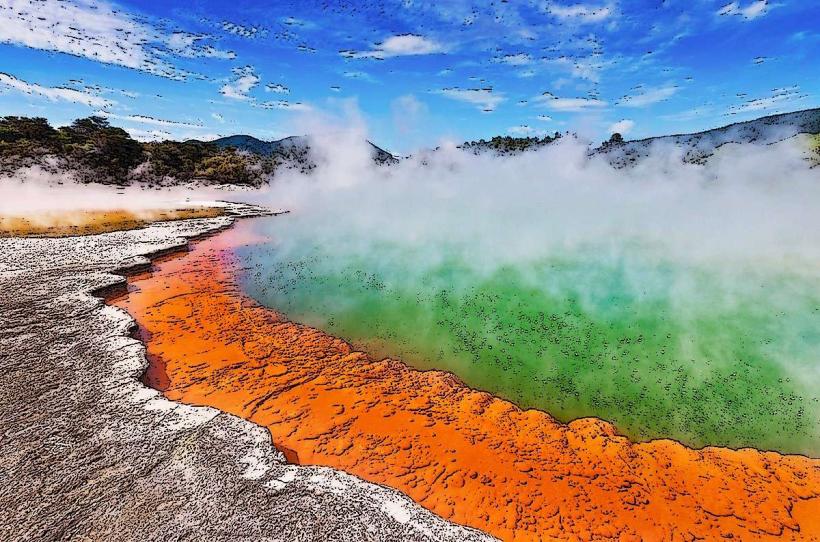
pixel 246 143
pixel 297 147
pixel 699 146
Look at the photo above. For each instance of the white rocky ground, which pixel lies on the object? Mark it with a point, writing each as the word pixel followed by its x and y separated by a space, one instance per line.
pixel 87 452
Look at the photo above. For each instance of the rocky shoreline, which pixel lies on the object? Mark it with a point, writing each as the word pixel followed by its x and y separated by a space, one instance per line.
pixel 89 452
pixel 466 455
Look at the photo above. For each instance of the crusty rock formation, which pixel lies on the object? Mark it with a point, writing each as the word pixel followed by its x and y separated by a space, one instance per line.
pixel 465 454
pixel 89 453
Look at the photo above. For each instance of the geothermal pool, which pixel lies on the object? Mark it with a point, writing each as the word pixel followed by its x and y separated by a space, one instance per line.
pixel 663 348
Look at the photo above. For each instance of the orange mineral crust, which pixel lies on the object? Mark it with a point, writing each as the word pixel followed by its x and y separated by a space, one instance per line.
pixel 464 454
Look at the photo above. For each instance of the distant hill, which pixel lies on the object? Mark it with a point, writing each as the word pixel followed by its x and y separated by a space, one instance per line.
pixel 91 150
pixel 246 143
pixel 699 146
pixel 293 147
pixel 503 145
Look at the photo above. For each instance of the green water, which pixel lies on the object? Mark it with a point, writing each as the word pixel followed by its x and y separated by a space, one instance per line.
pixel 658 348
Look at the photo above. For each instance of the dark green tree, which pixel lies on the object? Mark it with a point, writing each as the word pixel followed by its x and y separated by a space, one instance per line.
pixel 35 130
pixel 100 151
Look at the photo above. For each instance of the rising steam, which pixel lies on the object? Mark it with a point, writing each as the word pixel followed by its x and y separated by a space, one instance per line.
pixel 674 299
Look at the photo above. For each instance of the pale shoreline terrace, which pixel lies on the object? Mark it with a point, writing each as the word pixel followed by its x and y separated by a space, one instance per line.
pixel 95 454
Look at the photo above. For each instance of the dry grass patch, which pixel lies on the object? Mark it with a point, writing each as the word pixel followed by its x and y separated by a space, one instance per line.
pixel 91 222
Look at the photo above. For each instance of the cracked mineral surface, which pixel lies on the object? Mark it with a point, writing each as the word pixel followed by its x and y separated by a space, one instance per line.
pixel 90 453
pixel 464 454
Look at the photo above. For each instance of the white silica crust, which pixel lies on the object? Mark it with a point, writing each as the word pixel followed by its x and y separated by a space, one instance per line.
pixel 89 452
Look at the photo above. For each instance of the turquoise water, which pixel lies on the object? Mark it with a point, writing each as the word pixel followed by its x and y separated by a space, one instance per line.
pixel 658 347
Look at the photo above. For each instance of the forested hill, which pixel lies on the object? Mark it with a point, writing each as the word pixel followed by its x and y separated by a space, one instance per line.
pixel 94 151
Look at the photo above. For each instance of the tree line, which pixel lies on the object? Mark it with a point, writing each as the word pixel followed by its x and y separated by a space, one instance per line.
pixel 509 144
pixel 98 152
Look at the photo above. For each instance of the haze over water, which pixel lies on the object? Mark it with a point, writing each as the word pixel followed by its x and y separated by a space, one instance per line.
pixel 674 300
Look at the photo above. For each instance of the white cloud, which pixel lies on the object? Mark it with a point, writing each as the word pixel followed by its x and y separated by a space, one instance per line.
pixel 148 135
pixel 520 59
pixel 778 97
pixel 176 135
pixel 277 88
pixel 401 45
pixel 53 93
pixel 525 130
pixel 560 83
pixel 689 114
pixel 409 114
pixel 588 68
pixel 301 23
pixel 186 45
pixel 484 98
pixel 218 118
pixel 82 28
pixel 143 119
pixel 363 76
pixel 572 105
pixel 751 11
pixel 284 104
pixel 238 89
pixel 241 30
pixel 97 30
pixel 622 127
pixel 582 13
pixel 648 96
pixel 408 105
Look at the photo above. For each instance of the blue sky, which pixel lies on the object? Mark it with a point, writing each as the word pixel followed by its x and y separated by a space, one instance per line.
pixel 415 71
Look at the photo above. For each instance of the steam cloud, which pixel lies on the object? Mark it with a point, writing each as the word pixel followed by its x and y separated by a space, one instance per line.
pixel 710 273
pixel 696 284
pixel 748 205
pixel 37 191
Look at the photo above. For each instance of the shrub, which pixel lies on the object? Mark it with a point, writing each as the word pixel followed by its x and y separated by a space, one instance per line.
pixel 227 166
